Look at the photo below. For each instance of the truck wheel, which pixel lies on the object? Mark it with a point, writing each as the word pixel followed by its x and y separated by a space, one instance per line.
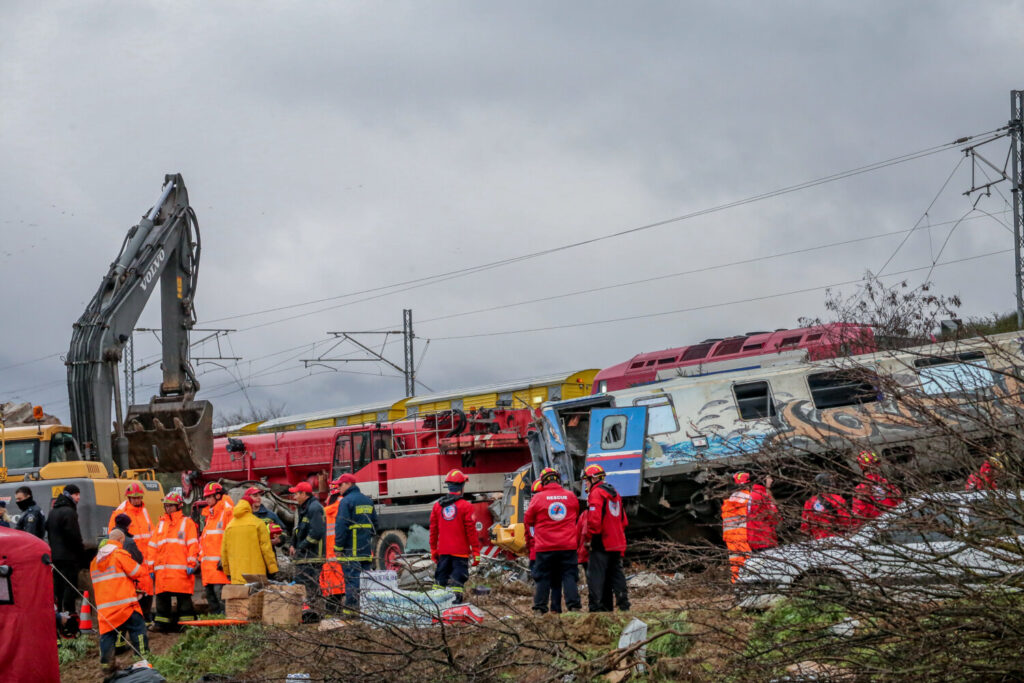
pixel 390 547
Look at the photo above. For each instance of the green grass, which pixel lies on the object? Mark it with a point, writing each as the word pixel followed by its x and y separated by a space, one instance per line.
pixel 69 651
pixel 792 630
pixel 669 645
pixel 209 650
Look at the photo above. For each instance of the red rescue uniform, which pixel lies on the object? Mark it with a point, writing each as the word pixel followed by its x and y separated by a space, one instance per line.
pixel 552 518
pixel 982 480
pixel 606 519
pixel 453 528
pixel 874 496
pixel 826 515
pixel 215 521
pixel 762 519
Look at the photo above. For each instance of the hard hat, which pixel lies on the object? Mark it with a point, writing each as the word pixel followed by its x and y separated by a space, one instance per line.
pixel 173 499
pixel 867 459
pixel 535 486
pixel 741 477
pixel 594 471
pixel 274 528
pixel 212 489
pixel 456 477
pixel 133 490
pixel 996 460
pixel 549 474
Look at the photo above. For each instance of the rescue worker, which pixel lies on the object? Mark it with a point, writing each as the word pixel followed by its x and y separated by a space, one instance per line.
pixel 216 516
pixel 117 579
pixel 606 532
pixel 307 549
pixel 986 478
pixel 245 547
pixel 276 534
pixel 353 535
pixel 763 518
pixel 259 509
pixel 825 514
pixel 875 494
pixel 122 522
pixel 139 531
pixel 68 552
pixel 531 549
pixel 32 519
pixel 174 559
pixel 453 536
pixel 551 518
pixel 332 576
pixel 735 517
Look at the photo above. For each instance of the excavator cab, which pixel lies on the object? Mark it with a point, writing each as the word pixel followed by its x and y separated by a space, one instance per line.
pixel 170 435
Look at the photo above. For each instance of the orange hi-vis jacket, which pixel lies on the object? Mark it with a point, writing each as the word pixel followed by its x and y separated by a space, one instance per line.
pixel 216 520
pixel 115 580
pixel 332 580
pixel 141 527
pixel 735 514
pixel 175 548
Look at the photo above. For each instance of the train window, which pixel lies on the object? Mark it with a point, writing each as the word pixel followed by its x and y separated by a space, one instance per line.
pixel 961 373
pixel 754 400
pixel 696 351
pixel 613 432
pixel 835 389
pixel 790 341
pixel 730 346
pixel 21 454
pixel 361 450
pixel 753 347
pixel 661 417
pixel 638 364
pixel 666 361
pixel 813 337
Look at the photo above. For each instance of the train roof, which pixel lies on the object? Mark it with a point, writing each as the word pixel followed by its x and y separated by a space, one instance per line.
pixel 575 377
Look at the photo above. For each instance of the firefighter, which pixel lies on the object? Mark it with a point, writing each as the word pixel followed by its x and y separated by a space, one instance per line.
pixel 735 517
pixel 825 514
pixel 123 522
pixel 353 535
pixel 255 496
pixel 986 478
pixel 453 536
pixel 764 518
pixel 216 516
pixel 332 577
pixel 246 548
pixel 117 579
pixel 551 518
pixel 605 529
pixel 307 549
pixel 174 559
pixel 531 549
pixel 875 494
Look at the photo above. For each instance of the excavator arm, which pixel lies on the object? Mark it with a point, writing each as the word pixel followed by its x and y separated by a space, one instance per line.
pixel 174 431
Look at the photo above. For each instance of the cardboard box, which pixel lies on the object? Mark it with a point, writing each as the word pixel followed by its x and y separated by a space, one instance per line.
pixel 240 604
pixel 282 605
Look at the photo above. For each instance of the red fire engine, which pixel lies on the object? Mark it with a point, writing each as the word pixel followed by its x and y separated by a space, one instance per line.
pixel 400 464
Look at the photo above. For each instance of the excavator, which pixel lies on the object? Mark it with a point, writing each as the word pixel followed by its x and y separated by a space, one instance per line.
pixel 172 433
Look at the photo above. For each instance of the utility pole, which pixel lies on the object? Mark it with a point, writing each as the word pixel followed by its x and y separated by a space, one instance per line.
pixel 409 369
pixel 1016 152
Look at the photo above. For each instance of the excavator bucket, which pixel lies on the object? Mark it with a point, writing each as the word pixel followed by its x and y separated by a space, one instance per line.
pixel 170 435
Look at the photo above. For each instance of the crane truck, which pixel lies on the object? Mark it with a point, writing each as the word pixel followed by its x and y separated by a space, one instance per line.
pixel 173 432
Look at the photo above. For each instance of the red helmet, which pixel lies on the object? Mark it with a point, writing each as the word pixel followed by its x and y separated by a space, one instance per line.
pixel 535 486
pixel 212 489
pixel 594 471
pixel 741 477
pixel 867 459
pixel 134 489
pixel 549 474
pixel 173 499
pixel 456 477
pixel 274 528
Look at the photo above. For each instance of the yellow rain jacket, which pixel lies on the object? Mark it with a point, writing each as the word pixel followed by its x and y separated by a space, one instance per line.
pixel 246 548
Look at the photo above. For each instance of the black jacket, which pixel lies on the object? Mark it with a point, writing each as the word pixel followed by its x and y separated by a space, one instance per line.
pixel 130 546
pixel 32 520
pixel 310 529
pixel 353 532
pixel 63 533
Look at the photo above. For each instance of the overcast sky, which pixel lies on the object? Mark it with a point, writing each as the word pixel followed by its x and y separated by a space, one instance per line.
pixel 330 148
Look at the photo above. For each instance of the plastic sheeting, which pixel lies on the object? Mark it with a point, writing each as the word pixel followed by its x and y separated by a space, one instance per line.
pixel 28 628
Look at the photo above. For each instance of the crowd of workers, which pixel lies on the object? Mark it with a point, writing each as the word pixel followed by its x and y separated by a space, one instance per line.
pixel 750 516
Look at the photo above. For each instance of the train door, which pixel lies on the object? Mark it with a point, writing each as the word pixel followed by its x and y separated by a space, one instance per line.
pixel 616 443
pixel 342 456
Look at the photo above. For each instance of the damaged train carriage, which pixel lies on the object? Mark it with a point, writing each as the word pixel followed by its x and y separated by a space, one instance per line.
pixel 666 443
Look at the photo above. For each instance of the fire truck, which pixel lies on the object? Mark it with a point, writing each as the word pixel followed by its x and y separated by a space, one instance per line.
pixel 401 464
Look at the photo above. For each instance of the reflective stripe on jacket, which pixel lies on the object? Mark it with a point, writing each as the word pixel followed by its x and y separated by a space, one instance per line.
pixel 115 579
pixel 216 519
pixel 332 579
pixel 174 549
pixel 310 531
pixel 141 527
pixel 353 539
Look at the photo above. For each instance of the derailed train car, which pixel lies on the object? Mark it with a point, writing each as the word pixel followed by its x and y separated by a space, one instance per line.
pixel 663 443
